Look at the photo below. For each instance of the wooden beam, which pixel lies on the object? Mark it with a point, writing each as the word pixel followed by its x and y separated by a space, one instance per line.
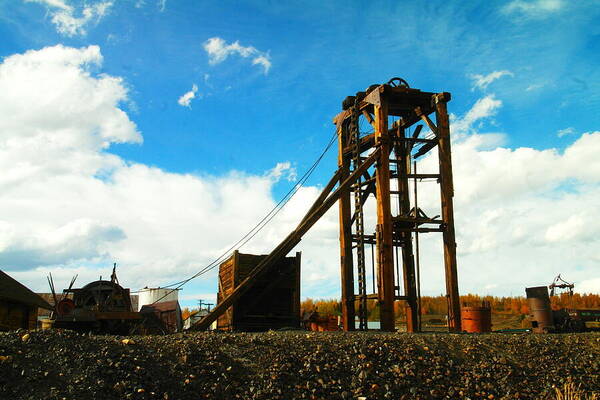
pixel 385 256
pixel 366 142
pixel 418 130
pixel 285 246
pixel 369 118
pixel 298 291
pixel 415 136
pixel 346 263
pixel 424 149
pixel 447 194
pixel 427 120
pixel 326 191
pixel 413 220
pixel 408 267
pixel 416 140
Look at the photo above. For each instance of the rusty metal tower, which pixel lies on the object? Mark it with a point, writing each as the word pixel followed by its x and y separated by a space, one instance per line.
pixel 379 121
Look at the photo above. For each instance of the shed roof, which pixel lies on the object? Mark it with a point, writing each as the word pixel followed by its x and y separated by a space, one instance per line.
pixel 163 306
pixel 12 290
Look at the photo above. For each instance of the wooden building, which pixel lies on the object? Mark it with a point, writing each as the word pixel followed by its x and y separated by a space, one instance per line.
pixel 168 313
pixel 18 305
pixel 273 302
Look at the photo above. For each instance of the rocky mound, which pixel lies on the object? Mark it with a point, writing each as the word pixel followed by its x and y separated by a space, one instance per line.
pixel 295 365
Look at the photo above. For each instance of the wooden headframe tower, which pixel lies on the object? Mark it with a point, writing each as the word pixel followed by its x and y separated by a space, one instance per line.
pixel 378 163
pixel 381 119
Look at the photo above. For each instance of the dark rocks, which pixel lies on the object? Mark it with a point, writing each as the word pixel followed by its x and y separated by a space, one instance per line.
pixel 295 365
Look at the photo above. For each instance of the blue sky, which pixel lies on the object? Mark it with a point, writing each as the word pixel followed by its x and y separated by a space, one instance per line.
pixel 248 117
pixel 320 54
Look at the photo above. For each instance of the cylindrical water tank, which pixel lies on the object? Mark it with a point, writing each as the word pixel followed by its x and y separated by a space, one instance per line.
pixel 476 319
pixel 156 295
pixel 540 310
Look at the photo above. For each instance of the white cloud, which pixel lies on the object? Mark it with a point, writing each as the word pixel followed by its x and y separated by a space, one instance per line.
pixel 218 51
pixel 162 4
pixel 65 19
pixel 483 81
pixel 186 99
pixel 283 170
pixel 534 86
pixel 264 62
pixel 588 286
pixel 484 108
pixel 78 239
pixel 523 215
pixel 572 228
pixel 533 8
pixel 566 131
pixel 70 206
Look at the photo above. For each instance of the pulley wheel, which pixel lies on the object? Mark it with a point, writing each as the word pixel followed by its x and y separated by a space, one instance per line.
pixel 65 306
pixel 397 82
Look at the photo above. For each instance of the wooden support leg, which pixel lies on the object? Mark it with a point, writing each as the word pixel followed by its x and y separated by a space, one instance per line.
pixel 346 264
pixel 408 264
pixel 447 193
pixel 385 257
pixel 410 287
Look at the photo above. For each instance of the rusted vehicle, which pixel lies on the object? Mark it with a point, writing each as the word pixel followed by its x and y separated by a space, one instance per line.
pixel 544 319
pixel 101 306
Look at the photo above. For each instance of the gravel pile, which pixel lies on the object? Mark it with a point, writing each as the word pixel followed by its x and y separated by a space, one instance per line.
pixel 294 365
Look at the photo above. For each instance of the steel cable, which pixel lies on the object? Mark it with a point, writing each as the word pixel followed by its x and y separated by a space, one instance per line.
pixel 257 228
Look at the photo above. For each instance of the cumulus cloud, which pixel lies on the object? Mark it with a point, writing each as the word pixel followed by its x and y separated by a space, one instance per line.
pixel 523 215
pixel 64 16
pixel 567 131
pixel 80 239
pixel 219 50
pixel 483 81
pixel 263 61
pixel 484 108
pixel 283 170
pixel 186 99
pixel 533 8
pixel 588 286
pixel 70 206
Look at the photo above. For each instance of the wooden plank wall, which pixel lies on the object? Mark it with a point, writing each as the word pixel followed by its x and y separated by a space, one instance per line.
pixel 16 315
pixel 274 301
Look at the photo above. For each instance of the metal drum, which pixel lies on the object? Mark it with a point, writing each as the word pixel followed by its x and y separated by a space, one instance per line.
pixel 476 319
pixel 540 311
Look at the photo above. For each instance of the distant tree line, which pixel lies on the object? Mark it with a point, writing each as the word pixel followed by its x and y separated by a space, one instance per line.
pixel 438 305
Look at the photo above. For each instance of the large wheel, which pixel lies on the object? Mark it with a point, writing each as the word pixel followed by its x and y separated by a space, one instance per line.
pixel 398 82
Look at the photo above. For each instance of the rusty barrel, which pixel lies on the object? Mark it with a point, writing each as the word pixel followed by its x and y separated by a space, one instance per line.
pixel 540 311
pixel 476 319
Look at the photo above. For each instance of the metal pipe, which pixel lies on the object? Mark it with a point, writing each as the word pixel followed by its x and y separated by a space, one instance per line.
pixel 373 266
pixel 417 249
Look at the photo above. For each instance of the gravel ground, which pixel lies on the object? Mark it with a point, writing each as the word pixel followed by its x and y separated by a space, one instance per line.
pixel 294 365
